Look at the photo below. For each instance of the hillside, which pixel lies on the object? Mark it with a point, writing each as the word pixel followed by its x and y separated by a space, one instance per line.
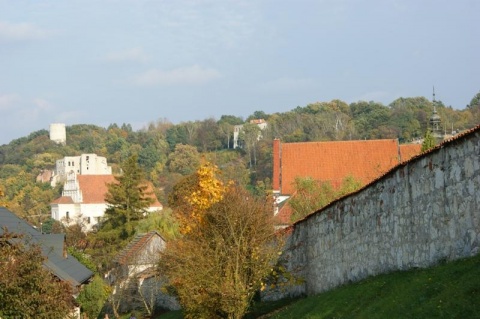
pixel 449 290
pixel 168 151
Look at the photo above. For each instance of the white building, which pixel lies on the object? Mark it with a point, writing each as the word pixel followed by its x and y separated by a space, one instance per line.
pixel 58 133
pixel 238 128
pixel 83 200
pixel 85 164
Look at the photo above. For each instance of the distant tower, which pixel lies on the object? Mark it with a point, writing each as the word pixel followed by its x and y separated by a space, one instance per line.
pixel 435 121
pixel 58 133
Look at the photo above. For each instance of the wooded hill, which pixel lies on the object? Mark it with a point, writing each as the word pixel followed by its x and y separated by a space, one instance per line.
pixel 168 151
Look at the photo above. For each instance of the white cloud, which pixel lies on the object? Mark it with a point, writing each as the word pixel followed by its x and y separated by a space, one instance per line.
pixel 288 84
pixel 186 75
pixel 22 31
pixel 7 101
pixel 129 55
pixel 35 109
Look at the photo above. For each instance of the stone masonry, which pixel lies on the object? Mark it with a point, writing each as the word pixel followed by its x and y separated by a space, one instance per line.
pixel 422 212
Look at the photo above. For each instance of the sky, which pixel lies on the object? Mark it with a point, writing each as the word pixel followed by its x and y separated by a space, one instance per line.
pixel 139 61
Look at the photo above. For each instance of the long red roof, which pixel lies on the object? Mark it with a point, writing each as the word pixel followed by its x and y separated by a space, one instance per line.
pixel 94 188
pixel 365 160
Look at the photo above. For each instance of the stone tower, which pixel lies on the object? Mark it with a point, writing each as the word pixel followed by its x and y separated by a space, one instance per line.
pixel 435 121
pixel 58 133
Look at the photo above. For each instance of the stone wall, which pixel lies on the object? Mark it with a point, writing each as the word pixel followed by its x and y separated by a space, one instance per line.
pixel 424 211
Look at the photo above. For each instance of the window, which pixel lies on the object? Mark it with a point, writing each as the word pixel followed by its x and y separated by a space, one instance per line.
pixel 67 215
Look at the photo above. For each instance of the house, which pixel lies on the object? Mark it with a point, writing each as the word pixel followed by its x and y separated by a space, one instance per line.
pixel 365 160
pixel 61 264
pixel 134 277
pixel 85 164
pixel 237 129
pixel 83 200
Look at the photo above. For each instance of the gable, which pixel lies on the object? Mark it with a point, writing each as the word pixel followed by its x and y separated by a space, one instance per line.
pixel 333 161
pixel 143 249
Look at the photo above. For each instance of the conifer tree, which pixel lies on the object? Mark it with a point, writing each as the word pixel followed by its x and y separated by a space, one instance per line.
pixel 128 201
pixel 127 197
pixel 428 141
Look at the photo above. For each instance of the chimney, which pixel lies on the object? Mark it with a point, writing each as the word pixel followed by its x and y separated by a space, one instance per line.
pixel 276 166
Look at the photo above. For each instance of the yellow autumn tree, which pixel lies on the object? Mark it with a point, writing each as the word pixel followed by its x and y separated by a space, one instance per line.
pixel 196 193
pixel 3 201
pixel 217 267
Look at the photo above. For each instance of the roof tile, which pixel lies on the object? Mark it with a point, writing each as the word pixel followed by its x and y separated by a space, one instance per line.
pixel 333 161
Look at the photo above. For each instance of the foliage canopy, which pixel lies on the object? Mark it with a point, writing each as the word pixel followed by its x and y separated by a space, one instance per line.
pixel 217 266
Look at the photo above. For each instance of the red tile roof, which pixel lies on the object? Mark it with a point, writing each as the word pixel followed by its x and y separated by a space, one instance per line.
pixel 63 200
pixel 407 151
pixel 333 161
pixel 94 187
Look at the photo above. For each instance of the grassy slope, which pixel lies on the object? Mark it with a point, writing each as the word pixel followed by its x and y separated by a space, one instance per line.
pixel 450 290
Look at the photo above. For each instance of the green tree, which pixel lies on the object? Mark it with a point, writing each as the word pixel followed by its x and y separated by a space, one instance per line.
pixel 27 289
pixel 127 197
pixel 428 141
pixel 217 268
pixel 93 297
pixel 349 185
pixel 249 136
pixel 184 160
pixel 475 101
pixel 164 222
pixel 309 196
pixel 128 201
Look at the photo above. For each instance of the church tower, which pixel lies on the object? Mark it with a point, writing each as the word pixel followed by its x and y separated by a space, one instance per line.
pixel 435 121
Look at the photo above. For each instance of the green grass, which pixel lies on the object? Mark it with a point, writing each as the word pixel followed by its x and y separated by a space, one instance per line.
pixel 450 290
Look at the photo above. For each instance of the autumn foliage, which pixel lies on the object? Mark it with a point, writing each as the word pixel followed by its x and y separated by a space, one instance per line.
pixel 27 289
pixel 195 194
pixel 228 248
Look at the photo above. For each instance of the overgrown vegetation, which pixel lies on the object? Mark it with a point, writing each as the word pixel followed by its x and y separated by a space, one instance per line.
pixel 227 248
pixel 168 152
pixel 311 195
pixel 27 289
pixel 167 155
pixel 449 290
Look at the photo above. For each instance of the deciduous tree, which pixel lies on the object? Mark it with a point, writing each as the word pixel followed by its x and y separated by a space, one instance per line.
pixel 428 141
pixel 310 195
pixel 27 289
pixel 184 160
pixel 194 194
pixel 218 267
